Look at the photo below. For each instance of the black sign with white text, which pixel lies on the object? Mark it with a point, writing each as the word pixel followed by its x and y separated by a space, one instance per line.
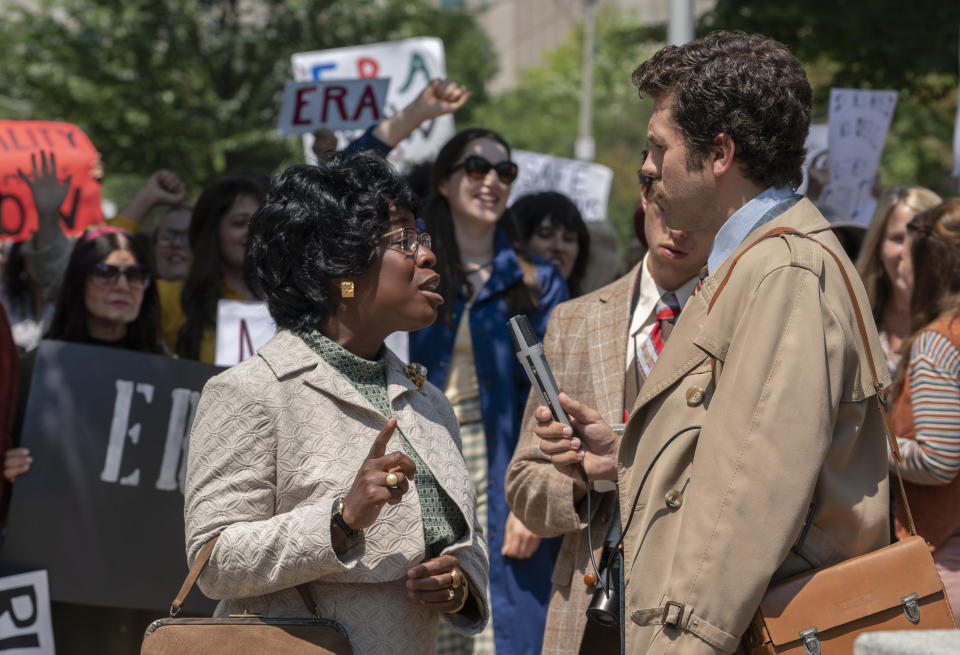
pixel 102 506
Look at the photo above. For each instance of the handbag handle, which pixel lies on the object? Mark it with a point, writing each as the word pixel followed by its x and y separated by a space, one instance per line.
pixel 202 557
pixel 881 392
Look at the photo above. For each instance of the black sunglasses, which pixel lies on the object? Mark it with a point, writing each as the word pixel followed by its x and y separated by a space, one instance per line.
pixel 477 168
pixel 107 275
pixel 644 179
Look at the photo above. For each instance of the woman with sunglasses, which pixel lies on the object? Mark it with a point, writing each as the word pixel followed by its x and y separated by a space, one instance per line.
pixel 484 280
pixel 323 465
pixel 106 299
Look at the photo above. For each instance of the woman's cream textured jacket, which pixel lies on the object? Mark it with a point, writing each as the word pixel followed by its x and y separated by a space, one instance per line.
pixel 276 440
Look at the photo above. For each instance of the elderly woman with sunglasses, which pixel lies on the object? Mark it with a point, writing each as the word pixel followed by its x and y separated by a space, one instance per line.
pixel 323 464
pixel 486 279
pixel 106 299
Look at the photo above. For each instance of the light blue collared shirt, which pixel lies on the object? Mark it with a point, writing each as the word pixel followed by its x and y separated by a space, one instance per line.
pixel 744 221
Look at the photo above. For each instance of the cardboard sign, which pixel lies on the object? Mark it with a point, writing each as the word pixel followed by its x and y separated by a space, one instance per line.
pixel 409 64
pixel 25 625
pixel 587 184
pixel 347 105
pixel 75 157
pixel 859 122
pixel 102 506
pixel 242 328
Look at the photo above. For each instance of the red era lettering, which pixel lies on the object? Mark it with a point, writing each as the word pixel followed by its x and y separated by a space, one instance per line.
pixel 367 67
pixel 300 104
pixel 367 100
pixel 334 93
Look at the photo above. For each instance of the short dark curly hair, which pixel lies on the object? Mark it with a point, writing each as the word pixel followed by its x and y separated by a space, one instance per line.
pixel 746 86
pixel 319 223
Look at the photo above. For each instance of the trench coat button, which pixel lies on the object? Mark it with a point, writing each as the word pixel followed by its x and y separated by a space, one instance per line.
pixel 674 499
pixel 694 396
pixel 590 579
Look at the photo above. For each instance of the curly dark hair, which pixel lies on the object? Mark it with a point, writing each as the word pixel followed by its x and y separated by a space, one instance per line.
pixel 69 321
pixel 530 210
pixel 746 86
pixel 319 223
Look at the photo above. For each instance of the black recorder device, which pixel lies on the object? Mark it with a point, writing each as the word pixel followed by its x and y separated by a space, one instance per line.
pixel 605 605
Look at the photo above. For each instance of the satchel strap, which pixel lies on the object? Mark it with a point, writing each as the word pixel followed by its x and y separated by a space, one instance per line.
pixel 202 557
pixel 881 392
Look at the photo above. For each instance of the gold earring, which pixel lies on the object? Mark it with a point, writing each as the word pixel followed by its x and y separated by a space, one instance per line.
pixel 346 289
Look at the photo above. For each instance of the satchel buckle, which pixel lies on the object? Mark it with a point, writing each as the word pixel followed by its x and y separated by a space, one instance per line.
pixel 665 619
pixel 811 645
pixel 245 615
pixel 911 607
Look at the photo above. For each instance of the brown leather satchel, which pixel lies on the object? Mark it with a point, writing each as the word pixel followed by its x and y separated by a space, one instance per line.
pixel 894 588
pixel 244 633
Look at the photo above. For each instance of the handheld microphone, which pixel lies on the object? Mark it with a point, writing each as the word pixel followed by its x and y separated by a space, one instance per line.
pixel 534 362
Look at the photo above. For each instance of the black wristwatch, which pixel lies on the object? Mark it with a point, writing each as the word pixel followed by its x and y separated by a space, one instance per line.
pixel 337 517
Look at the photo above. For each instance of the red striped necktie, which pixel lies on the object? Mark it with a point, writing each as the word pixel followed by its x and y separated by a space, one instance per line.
pixel 647 350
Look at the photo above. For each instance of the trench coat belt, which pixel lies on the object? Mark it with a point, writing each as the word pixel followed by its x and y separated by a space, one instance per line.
pixel 681 616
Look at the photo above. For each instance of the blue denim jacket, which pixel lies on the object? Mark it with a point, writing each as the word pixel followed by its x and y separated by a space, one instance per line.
pixel 519 589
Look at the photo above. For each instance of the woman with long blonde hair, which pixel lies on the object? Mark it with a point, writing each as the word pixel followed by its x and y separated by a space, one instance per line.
pixel 880 258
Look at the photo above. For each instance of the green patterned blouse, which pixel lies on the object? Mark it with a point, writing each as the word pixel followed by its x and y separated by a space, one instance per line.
pixel 443 522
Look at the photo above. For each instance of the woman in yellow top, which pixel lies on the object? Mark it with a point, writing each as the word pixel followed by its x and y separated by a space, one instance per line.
pixel 218 236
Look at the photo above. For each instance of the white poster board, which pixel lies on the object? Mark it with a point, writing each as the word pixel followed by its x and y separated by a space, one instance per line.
pixel 242 328
pixel 816 143
pixel 410 64
pixel 586 183
pixel 346 105
pixel 25 626
pixel 859 122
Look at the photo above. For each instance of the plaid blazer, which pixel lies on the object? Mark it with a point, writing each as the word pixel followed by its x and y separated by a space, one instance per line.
pixel 586 344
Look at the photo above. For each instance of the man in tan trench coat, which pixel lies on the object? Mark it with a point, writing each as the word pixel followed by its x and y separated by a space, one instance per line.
pixel 784 467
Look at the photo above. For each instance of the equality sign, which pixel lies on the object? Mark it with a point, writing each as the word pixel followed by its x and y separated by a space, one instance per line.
pixel 409 64
pixel 25 625
pixel 102 507
pixel 75 156
pixel 242 328
pixel 346 105
pixel 858 125
pixel 587 184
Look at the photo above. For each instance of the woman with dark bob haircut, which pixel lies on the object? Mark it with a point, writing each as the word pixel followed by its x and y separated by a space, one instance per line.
pixel 324 464
pixel 550 225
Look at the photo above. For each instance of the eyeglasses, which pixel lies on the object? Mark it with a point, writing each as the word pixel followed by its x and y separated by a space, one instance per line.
pixel 477 168
pixel 409 241
pixel 173 237
pixel 107 275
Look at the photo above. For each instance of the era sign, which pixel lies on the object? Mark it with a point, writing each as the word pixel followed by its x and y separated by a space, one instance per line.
pixel 341 105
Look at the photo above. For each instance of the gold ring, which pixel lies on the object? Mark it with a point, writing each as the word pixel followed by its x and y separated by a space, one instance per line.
pixel 391 479
pixel 451 594
pixel 455 576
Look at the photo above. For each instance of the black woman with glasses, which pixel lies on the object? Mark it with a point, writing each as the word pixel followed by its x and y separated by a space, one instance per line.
pixel 325 466
pixel 484 280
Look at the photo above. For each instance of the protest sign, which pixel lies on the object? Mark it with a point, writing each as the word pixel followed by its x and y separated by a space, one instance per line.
pixel 102 507
pixel 242 328
pixel 75 157
pixel 817 144
pixel 347 105
pixel 587 184
pixel 409 64
pixel 25 625
pixel 858 125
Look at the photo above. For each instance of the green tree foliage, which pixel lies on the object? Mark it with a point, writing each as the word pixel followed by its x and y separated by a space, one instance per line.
pixel 195 85
pixel 876 44
pixel 541 113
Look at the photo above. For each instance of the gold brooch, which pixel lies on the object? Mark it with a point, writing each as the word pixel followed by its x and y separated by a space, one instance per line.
pixel 416 373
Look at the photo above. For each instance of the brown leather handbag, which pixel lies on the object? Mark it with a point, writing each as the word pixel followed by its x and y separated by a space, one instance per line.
pixel 822 612
pixel 240 634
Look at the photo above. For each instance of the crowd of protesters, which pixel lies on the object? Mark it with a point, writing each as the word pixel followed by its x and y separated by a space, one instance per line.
pixel 247 237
